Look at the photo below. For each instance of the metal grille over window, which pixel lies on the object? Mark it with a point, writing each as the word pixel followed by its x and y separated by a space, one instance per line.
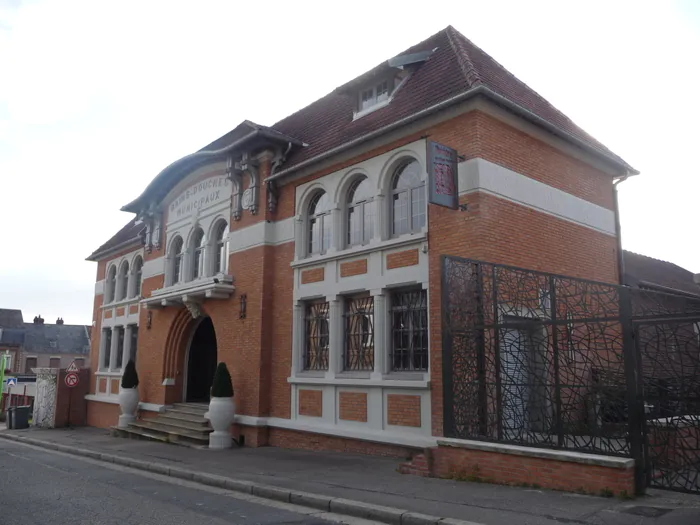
pixel 408 199
pixel 320 223
pixel 359 334
pixel 317 337
pixel 360 212
pixel 409 331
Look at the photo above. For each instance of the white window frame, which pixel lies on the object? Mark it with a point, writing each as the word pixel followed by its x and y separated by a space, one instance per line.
pixel 136 277
pixel 321 218
pixel 366 233
pixel 105 349
pixel 123 281
pixel 409 192
pixel 197 254
pixel 219 247
pixel 176 260
pixel 365 104
pixel 111 284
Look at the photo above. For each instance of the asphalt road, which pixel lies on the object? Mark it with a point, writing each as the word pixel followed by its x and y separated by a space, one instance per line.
pixel 43 487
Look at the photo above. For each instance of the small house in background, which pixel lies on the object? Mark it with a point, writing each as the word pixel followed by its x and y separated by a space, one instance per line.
pixel 41 345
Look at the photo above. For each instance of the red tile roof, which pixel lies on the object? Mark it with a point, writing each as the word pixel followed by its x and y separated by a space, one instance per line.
pixel 641 270
pixel 130 232
pixel 457 67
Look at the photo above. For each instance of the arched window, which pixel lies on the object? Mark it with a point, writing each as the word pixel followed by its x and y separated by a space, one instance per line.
pixel 123 281
pixel 360 212
pixel 110 284
pixel 320 223
pixel 408 199
pixel 197 250
pixel 137 272
pixel 220 247
pixel 176 260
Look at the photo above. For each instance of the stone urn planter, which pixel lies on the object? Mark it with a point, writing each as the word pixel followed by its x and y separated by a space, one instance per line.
pixel 128 395
pixel 221 409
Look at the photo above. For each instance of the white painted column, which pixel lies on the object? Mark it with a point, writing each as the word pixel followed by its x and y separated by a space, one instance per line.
pixel 300 237
pixel 336 230
pixel 380 333
pixel 113 349
pixel 336 331
pixel 298 329
pixel 380 216
pixel 186 266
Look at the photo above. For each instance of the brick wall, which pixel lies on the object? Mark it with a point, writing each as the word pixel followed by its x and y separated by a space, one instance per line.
pixel 351 268
pixel 478 465
pixel 401 259
pixel 352 406
pixel 312 276
pixel 102 415
pixel 311 403
pixel 403 410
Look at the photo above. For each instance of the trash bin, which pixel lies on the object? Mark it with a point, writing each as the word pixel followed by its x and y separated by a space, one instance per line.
pixel 10 417
pixel 21 417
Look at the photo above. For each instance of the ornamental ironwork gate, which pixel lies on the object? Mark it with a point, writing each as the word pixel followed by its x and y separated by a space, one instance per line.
pixel 545 360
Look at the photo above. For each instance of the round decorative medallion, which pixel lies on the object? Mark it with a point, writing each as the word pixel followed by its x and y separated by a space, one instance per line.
pixel 247 200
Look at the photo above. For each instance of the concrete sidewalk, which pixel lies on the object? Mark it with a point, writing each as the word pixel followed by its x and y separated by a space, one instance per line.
pixel 375 480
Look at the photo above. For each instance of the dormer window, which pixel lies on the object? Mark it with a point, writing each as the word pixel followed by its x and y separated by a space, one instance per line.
pixel 374 95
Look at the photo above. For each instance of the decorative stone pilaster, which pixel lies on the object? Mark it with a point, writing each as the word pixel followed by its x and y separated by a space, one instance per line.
pixel 298 338
pixel 113 349
pixel 380 334
pixel 336 347
pixel 381 227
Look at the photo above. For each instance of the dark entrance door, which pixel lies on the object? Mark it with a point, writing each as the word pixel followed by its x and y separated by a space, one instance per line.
pixel 201 362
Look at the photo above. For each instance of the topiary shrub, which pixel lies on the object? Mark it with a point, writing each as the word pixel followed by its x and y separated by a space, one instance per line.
pixel 130 379
pixel 222 386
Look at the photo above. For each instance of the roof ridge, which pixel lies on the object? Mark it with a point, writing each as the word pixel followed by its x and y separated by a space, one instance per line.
pixel 656 259
pixel 471 74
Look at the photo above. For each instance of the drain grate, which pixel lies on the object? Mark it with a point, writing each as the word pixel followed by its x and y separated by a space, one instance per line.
pixel 647 512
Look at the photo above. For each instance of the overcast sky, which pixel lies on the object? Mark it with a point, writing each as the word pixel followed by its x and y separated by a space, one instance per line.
pixel 97 97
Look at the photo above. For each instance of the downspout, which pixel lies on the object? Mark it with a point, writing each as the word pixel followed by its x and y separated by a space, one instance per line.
pixel 618 231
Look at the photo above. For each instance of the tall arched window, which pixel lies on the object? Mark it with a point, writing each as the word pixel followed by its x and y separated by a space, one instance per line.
pixel 219 247
pixel 408 199
pixel 176 260
pixel 361 218
pixel 110 284
pixel 137 272
pixel 197 250
pixel 123 281
pixel 320 223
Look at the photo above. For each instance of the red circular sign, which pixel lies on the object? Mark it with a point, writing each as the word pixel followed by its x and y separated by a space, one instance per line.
pixel 71 379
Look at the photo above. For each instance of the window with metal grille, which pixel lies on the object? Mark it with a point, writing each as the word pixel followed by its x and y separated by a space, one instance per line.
pixel 359 333
pixel 360 212
pixel 120 348
pixel 316 336
pixel 106 347
pixel 320 223
pixel 408 199
pixel 409 331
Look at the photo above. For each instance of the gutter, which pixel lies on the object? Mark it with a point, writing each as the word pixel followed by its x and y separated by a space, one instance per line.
pixel 479 90
pixel 667 289
pixel 134 205
pixel 99 255
pixel 618 232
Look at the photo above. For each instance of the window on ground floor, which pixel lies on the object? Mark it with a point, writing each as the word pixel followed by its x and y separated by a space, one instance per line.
pixel 55 362
pixel 106 348
pixel 120 348
pixel 409 331
pixel 359 333
pixel 134 336
pixel 316 336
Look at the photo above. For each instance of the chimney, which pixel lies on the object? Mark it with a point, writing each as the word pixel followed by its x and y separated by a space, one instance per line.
pixel 38 319
pixel 59 320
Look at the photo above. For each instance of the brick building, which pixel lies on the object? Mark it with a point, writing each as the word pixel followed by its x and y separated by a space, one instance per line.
pixel 41 345
pixel 306 255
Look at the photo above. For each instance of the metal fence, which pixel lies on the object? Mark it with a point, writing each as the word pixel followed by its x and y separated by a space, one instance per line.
pixel 546 360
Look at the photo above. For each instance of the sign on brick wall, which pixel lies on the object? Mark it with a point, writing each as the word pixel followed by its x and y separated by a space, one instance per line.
pixel 442 175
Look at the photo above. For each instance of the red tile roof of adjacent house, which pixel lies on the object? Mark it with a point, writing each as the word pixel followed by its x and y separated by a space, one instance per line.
pixel 641 271
pixel 127 235
pixel 456 69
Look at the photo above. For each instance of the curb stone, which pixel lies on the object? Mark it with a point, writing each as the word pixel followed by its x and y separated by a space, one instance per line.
pixel 347 507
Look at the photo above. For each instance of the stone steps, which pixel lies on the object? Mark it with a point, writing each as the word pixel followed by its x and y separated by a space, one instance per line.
pixel 181 424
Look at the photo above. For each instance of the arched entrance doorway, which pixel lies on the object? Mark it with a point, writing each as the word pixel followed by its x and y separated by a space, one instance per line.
pixel 201 362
